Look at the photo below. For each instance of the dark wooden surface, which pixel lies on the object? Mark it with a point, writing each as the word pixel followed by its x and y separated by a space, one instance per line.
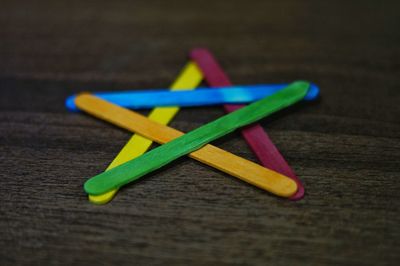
pixel 345 147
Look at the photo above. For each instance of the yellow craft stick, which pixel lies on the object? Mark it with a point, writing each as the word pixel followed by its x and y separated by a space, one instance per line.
pixel 189 78
pixel 236 166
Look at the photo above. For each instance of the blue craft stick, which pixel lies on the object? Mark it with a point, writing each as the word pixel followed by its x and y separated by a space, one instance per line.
pixel 146 99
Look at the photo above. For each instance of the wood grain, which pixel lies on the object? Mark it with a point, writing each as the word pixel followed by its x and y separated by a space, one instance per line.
pixel 345 148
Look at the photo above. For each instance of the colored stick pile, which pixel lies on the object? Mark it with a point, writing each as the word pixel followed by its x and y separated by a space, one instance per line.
pixel 134 162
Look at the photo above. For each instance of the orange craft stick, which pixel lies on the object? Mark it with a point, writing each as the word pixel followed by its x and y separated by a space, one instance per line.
pixel 236 166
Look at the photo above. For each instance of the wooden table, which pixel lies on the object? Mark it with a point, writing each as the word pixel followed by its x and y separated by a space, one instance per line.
pixel 344 147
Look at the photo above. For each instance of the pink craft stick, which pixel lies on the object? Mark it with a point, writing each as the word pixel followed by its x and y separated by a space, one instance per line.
pixel 255 136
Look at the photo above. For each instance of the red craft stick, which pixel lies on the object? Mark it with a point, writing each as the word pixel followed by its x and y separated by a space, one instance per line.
pixel 255 136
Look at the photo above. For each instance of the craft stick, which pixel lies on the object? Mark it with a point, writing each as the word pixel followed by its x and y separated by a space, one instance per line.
pixel 255 135
pixel 188 79
pixel 142 99
pixel 190 142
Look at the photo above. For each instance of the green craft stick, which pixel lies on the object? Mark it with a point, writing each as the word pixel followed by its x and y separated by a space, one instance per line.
pixel 162 155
